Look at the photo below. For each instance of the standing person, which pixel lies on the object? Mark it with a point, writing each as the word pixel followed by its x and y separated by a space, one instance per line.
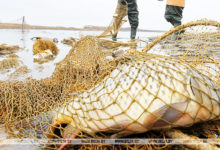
pixel 174 11
pixel 132 17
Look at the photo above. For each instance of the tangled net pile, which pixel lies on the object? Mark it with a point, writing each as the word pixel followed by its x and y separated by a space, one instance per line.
pixel 6 49
pixel 41 45
pixel 173 82
pixel 118 20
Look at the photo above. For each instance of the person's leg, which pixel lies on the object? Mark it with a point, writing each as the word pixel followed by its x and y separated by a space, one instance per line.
pixel 114 38
pixel 120 2
pixel 133 17
pixel 133 27
pixel 173 14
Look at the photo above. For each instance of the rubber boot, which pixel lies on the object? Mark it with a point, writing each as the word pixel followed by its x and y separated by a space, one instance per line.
pixel 176 34
pixel 133 33
pixel 176 24
pixel 132 37
pixel 114 38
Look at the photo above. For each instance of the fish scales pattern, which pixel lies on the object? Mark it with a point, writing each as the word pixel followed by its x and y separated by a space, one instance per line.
pixel 99 91
pixel 134 91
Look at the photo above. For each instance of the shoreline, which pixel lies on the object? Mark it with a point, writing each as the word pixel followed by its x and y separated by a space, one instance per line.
pixel 86 28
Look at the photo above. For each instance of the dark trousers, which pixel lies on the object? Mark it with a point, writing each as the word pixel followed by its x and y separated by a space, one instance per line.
pixel 133 13
pixel 173 14
pixel 132 17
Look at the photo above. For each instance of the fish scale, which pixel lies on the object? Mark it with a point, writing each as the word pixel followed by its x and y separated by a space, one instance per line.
pixel 143 94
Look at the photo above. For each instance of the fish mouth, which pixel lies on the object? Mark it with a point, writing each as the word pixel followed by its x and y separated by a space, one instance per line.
pixel 59 123
pixel 57 130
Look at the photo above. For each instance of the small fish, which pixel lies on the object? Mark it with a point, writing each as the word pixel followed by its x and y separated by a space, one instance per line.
pixel 147 92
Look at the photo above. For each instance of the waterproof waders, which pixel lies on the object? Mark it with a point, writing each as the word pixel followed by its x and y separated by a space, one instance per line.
pixel 132 17
pixel 173 14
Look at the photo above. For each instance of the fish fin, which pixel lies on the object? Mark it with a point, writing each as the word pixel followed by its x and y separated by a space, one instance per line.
pixel 195 88
pixel 119 127
pixel 166 116
pixel 121 134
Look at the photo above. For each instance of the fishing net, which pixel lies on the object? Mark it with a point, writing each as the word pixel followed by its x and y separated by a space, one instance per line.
pixel 6 49
pixel 70 41
pixel 196 43
pixel 8 63
pixel 173 82
pixel 118 20
pixel 44 50
pixel 40 45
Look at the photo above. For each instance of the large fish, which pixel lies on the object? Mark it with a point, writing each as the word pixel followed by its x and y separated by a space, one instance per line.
pixel 143 93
